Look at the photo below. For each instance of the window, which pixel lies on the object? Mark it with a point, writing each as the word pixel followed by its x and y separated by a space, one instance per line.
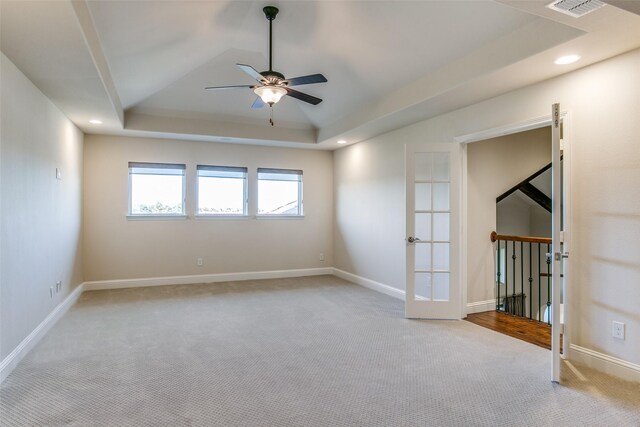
pixel 222 190
pixel 279 192
pixel 156 189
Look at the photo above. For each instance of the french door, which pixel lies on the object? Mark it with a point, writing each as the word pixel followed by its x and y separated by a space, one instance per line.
pixel 560 237
pixel 433 288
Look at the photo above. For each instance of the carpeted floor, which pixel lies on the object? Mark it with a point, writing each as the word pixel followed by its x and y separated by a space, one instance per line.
pixel 315 351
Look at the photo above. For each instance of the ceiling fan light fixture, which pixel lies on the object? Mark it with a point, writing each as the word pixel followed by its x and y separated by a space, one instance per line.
pixel 270 94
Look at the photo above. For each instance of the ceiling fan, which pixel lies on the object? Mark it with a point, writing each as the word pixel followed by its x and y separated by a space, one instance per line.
pixel 273 85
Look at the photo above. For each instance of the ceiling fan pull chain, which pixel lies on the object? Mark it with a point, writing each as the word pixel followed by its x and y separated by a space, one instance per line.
pixel 271 114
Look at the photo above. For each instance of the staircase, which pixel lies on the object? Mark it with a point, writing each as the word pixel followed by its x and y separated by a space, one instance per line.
pixel 523 267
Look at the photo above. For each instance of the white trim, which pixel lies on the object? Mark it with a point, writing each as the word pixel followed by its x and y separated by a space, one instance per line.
pixel 207 217
pixel 481 306
pixel 18 353
pixel 159 217
pixel 605 363
pixel 278 216
pixel 203 278
pixel 371 284
pixel 509 129
pixel 464 240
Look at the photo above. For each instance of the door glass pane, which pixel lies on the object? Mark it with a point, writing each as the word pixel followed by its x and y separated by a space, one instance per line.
pixel 441 166
pixel 441 256
pixel 441 286
pixel 423 256
pixel 423 286
pixel 423 226
pixel 423 197
pixel 441 226
pixel 440 197
pixel 423 166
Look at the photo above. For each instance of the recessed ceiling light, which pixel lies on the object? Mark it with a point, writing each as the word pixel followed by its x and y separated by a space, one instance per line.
pixel 569 59
pixel 95 122
pixel 342 141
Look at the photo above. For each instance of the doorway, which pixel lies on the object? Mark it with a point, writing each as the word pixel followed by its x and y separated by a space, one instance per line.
pixel 480 271
pixel 510 195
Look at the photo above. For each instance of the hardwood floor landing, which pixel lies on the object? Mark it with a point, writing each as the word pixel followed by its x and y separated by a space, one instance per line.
pixel 531 331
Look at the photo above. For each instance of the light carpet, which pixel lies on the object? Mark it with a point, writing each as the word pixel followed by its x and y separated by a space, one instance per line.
pixel 314 351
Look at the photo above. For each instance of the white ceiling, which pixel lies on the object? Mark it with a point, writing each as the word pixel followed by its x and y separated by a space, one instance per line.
pixel 141 66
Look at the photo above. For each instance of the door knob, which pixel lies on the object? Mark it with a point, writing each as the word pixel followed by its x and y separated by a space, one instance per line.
pixel 412 239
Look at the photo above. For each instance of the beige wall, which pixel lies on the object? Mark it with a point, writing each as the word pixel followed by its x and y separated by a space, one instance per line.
pixel 513 216
pixel 493 167
pixel 604 101
pixel 370 208
pixel 117 248
pixel 41 216
pixel 539 222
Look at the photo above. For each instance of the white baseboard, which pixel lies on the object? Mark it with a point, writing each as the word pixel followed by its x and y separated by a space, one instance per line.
pixel 18 353
pixel 367 283
pixel 203 278
pixel 481 306
pixel 605 363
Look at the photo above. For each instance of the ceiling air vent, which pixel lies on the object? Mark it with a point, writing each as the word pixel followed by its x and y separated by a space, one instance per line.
pixel 575 8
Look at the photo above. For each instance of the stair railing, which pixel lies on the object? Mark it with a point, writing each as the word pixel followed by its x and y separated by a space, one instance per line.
pixel 523 272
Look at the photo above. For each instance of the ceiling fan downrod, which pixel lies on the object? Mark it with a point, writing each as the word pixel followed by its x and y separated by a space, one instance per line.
pixel 270 12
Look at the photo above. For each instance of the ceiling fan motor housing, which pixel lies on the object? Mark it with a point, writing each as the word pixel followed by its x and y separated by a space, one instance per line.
pixel 273 76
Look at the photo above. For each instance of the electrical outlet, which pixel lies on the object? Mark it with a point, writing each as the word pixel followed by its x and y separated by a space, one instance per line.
pixel 618 330
pixel 199 262
pixel 58 174
pixel 321 256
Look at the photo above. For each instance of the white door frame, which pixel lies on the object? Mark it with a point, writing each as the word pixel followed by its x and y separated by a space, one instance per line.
pixel 508 129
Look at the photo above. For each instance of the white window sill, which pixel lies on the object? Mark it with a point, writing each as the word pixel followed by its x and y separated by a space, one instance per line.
pixel 156 217
pixel 224 217
pixel 279 216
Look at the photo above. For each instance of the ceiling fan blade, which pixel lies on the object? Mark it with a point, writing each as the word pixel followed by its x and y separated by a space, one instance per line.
pixel 252 72
pixel 303 97
pixel 306 80
pixel 258 103
pixel 226 87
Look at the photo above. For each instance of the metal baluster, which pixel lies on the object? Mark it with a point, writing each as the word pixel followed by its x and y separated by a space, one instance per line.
pixel 539 284
pixel 513 257
pixel 521 281
pixel 530 283
pixel 549 283
pixel 506 276
pixel 498 277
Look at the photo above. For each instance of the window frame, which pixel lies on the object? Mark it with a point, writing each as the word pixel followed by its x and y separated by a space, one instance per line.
pixel 245 191
pixel 300 182
pixel 151 165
